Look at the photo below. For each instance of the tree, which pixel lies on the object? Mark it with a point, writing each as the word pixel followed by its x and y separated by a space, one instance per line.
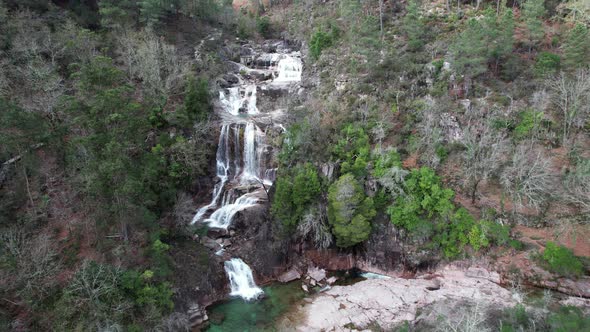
pixel 571 96
pixel 413 26
pixel 425 200
pixel 528 179
pixel 577 47
pixel 116 14
pixel 533 12
pixel 155 63
pixel 197 101
pixel 484 148
pixel 349 211
pixel 577 185
pixel 469 51
pixel 352 150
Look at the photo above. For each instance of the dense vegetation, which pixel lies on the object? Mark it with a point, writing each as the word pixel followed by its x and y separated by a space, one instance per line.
pixel 448 122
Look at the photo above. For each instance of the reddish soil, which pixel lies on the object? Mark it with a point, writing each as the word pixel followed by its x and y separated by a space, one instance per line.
pixel 575 237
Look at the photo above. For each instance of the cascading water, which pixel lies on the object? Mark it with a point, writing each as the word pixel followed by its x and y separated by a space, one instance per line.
pixel 242 163
pixel 241 280
pixel 241 149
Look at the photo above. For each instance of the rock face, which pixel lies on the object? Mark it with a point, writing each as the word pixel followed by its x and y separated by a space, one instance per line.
pixel 289 276
pixel 392 301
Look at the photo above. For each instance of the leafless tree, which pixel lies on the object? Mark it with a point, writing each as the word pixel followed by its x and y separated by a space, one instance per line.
pixel 528 179
pixel 473 319
pixel 314 226
pixel 35 262
pixel 571 96
pixel 577 185
pixel 155 63
pixel 482 157
pixel 430 137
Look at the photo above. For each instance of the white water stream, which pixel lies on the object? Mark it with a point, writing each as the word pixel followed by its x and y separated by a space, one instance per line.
pixel 241 280
pixel 241 169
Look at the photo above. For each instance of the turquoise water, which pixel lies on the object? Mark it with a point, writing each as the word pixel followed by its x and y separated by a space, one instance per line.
pixel 262 315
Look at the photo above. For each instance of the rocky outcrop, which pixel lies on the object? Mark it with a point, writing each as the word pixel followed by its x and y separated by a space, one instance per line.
pixel 392 301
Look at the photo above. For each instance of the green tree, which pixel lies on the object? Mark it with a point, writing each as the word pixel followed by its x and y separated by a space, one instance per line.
pixel 349 211
pixel 197 102
pixel 116 14
pixel 577 47
pixel 562 260
pixel 353 150
pixel 295 192
pixel 469 51
pixel 414 27
pixel 533 12
pixel 425 200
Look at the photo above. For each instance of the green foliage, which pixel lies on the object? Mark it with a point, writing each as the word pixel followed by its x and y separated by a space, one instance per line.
pixel 414 27
pixel 197 102
pixel 529 120
pixel 295 192
pixel 425 199
pixel 532 13
pixel 349 211
pixel 577 47
pixel 321 40
pixel 117 13
pixel 263 26
pixel 385 161
pixel 469 50
pixel 152 11
pixel 569 318
pixel 353 150
pixel 145 292
pixel 547 64
pixel 562 261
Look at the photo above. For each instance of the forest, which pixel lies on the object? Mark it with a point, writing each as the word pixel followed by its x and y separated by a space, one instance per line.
pixel 405 135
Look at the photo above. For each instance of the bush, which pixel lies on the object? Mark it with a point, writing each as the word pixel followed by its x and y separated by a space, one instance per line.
pixel 425 199
pixel 529 119
pixel 263 26
pixel 562 261
pixel 547 64
pixel 295 191
pixel 349 211
pixel 353 150
pixel 197 103
pixel 321 40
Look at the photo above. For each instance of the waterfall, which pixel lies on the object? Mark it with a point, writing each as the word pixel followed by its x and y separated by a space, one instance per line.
pixel 289 70
pixel 223 216
pixel 250 155
pixel 222 168
pixel 243 166
pixel 241 280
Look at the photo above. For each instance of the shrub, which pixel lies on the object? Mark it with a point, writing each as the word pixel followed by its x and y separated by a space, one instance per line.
pixel 295 191
pixel 562 261
pixel 197 103
pixel 529 120
pixel 547 64
pixel 425 199
pixel 321 40
pixel 263 26
pixel 349 211
pixel 352 149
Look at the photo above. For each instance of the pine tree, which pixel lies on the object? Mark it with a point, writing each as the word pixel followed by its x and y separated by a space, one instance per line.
pixel 469 51
pixel 414 27
pixel 533 12
pixel 577 48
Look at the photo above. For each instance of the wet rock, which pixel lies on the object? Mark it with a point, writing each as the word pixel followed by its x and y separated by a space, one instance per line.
pixel 331 280
pixel 305 288
pixel 216 233
pixel 210 243
pixel 197 315
pixel 231 79
pixel 289 276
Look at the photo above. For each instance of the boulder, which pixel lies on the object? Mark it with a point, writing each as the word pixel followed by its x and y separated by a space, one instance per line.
pixel 197 315
pixel 316 273
pixel 210 243
pixel 216 233
pixel 231 79
pixel 290 275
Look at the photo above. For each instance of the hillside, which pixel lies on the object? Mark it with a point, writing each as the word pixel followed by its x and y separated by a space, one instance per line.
pixel 175 165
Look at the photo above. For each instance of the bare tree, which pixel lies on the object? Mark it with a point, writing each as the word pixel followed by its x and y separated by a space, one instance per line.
pixel 528 179
pixel 577 185
pixel 314 226
pixel 430 137
pixel 482 157
pixel 155 63
pixel 571 95
pixel 472 319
